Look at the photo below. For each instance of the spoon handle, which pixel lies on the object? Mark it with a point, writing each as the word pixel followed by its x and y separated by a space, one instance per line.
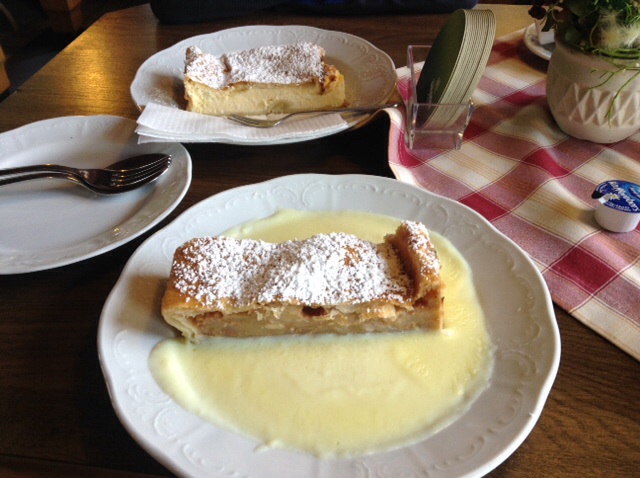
pixel 18 178
pixel 39 168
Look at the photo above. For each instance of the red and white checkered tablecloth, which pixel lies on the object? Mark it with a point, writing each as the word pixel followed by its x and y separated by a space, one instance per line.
pixel 534 183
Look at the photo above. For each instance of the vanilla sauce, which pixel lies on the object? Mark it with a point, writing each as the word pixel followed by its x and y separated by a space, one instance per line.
pixel 336 396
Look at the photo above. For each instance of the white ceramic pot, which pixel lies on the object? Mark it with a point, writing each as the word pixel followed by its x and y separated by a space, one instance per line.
pixel 581 107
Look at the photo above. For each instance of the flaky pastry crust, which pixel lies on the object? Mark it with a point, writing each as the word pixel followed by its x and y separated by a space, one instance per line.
pixel 329 283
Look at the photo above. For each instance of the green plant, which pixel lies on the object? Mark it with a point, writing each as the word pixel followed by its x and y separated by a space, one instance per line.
pixel 609 28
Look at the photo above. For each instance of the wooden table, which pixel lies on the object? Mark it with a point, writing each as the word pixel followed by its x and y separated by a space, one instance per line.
pixel 55 414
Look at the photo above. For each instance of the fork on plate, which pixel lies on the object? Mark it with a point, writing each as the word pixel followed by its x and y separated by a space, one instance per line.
pixel 266 122
pixel 122 176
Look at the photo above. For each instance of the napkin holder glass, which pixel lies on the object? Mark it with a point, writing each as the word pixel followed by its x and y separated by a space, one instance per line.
pixel 432 125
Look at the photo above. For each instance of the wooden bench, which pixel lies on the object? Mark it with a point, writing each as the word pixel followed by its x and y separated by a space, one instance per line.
pixel 65 16
pixel 4 79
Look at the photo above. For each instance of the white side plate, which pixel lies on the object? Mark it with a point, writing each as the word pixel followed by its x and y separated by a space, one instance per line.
pixel 531 42
pixel 51 223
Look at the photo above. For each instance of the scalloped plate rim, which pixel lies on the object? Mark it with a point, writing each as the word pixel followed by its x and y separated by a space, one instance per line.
pixel 141 85
pixel 511 436
pixel 84 129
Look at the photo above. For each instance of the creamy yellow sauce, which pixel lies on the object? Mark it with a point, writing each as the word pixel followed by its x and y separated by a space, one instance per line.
pixel 336 396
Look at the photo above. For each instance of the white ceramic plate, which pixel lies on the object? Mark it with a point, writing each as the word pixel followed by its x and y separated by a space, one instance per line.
pixel 50 223
pixel 531 42
pixel 514 297
pixel 370 75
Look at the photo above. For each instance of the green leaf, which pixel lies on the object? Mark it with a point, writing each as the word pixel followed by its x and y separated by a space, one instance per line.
pixel 581 8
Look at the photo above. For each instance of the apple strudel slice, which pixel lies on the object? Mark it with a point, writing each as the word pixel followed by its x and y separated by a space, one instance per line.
pixel 330 283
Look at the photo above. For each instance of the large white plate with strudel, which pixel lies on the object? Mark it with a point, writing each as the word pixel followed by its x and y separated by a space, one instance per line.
pixel 370 77
pixel 513 296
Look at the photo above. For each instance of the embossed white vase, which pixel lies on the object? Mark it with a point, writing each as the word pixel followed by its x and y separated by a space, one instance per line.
pixel 580 98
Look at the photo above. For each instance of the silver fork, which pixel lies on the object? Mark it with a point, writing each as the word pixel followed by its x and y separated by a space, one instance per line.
pixel 261 122
pixel 119 177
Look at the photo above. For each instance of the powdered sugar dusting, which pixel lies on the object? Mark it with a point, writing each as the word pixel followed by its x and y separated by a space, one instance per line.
pixel 420 245
pixel 326 269
pixel 273 64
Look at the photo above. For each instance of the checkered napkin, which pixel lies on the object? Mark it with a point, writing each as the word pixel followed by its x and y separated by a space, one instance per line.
pixel 534 183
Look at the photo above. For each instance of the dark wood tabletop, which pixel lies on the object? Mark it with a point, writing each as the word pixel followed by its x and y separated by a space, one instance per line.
pixel 56 418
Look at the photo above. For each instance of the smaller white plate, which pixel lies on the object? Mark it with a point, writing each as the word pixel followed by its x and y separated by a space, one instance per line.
pixel 531 42
pixel 370 75
pixel 51 223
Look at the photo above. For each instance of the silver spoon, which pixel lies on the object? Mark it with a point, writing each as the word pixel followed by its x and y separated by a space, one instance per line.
pixel 122 176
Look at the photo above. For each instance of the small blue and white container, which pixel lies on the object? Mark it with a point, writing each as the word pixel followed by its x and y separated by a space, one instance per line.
pixel 619 205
